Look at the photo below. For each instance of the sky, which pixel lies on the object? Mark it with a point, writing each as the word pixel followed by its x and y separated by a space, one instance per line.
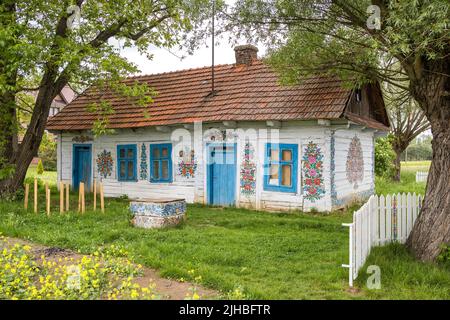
pixel 165 60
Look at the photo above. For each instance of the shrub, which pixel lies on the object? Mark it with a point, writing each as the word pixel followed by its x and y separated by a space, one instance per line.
pixel 444 256
pixel 384 157
pixel 40 167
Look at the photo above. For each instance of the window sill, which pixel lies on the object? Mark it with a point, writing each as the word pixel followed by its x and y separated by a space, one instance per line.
pixel 278 189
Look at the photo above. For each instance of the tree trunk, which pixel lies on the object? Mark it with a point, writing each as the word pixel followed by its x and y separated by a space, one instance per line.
pixel 432 227
pixel 8 116
pixel 433 224
pixel 31 141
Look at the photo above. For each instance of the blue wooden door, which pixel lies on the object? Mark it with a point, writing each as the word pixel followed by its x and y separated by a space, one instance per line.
pixel 222 174
pixel 81 166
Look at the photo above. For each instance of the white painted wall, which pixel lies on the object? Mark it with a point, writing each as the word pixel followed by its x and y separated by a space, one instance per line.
pixel 193 190
pixel 346 191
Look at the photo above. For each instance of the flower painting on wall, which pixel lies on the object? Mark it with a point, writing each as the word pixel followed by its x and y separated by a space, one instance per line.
pixel 248 171
pixel 355 163
pixel 187 166
pixel 105 163
pixel 313 183
pixel 143 173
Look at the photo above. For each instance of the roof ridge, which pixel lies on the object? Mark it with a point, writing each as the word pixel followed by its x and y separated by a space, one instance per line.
pixel 179 71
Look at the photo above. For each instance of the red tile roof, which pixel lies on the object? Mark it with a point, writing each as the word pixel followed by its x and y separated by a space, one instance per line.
pixel 242 93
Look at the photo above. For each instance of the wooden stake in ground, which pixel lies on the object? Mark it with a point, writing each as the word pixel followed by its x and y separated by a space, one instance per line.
pixel 67 196
pixel 95 195
pixel 102 200
pixel 48 200
pixel 27 190
pixel 81 199
pixel 61 197
pixel 35 194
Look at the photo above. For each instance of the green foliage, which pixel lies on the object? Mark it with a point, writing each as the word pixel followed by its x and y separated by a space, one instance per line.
pixel 48 177
pixel 100 276
pixel 47 152
pixel 421 150
pixel 385 185
pixel 444 256
pixel 41 48
pixel 13 196
pixel 384 157
pixel 332 37
pixel 40 167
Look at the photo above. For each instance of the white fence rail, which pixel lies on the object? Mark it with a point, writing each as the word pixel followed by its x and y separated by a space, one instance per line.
pixel 379 221
pixel 421 176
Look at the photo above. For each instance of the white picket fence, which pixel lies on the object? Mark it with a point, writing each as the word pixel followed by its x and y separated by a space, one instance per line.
pixel 421 176
pixel 379 221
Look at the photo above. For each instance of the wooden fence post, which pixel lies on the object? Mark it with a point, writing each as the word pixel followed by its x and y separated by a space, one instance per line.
pixel 95 194
pixel 46 189
pixel 67 196
pixel 102 200
pixel 82 199
pixel 27 190
pixel 61 197
pixel 48 201
pixel 79 197
pixel 35 195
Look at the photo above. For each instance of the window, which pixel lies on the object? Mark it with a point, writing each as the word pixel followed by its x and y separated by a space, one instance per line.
pixel 161 162
pixel 280 167
pixel 126 162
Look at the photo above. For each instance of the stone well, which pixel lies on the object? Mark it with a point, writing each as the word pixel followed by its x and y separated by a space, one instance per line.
pixel 157 213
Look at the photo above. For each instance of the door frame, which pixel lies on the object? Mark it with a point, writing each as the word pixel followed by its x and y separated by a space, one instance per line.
pixel 74 146
pixel 208 169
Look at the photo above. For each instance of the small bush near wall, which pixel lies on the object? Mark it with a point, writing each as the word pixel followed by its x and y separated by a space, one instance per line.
pixel 384 157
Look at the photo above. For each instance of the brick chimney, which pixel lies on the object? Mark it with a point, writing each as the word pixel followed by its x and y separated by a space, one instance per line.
pixel 245 54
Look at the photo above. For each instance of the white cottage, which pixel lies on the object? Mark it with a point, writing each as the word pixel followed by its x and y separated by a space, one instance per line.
pixel 250 143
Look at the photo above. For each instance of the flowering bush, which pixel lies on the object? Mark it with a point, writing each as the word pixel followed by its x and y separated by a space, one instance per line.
pixel 108 274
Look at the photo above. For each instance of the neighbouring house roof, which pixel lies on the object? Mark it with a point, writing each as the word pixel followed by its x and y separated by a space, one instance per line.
pixel 242 93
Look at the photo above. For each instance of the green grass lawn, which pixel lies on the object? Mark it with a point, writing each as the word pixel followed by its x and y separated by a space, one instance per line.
pixel 415 165
pixel 408 179
pixel 267 255
pixel 47 176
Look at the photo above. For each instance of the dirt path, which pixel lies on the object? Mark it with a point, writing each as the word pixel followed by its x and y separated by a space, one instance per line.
pixel 166 288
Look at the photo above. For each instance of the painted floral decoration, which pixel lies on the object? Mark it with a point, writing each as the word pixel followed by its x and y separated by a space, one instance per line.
pixel 355 162
pixel 248 171
pixel 187 167
pixel 313 183
pixel 105 163
pixel 143 172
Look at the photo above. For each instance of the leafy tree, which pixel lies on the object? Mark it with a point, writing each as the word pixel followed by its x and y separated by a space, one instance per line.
pixel 421 150
pixel 363 41
pixel 43 47
pixel 407 121
pixel 384 157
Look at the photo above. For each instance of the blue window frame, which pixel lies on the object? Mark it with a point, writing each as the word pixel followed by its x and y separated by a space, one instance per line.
pixel 161 162
pixel 280 167
pixel 126 162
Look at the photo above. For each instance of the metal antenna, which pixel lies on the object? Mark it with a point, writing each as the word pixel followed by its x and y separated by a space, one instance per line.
pixel 212 46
